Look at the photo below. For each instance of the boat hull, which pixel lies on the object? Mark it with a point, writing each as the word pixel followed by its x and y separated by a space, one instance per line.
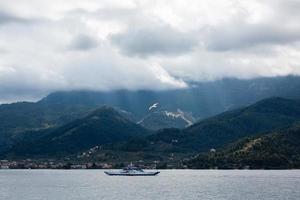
pixel 131 174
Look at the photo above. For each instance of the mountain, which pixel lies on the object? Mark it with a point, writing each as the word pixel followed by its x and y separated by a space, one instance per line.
pixel 102 126
pixel 201 99
pixel 218 131
pixel 228 132
pixel 165 119
pixel 17 118
pixel 279 149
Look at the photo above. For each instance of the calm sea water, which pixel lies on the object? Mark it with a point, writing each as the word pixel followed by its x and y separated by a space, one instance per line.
pixel 170 184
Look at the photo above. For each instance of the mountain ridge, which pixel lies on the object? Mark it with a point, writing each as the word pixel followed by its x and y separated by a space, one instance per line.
pixel 217 131
pixel 101 126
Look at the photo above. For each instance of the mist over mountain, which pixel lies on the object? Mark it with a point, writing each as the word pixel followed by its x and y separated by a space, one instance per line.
pixel 201 99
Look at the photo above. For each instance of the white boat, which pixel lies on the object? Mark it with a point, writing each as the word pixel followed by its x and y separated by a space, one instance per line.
pixel 131 171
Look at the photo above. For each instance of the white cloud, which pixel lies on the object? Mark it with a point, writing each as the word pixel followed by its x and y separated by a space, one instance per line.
pixel 155 40
pixel 142 44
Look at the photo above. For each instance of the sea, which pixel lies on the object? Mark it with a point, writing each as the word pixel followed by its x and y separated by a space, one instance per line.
pixel 169 184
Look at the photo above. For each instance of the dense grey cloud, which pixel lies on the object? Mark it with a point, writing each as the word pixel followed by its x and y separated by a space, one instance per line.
pixel 142 44
pixel 160 40
pixel 7 18
pixel 83 42
pixel 238 36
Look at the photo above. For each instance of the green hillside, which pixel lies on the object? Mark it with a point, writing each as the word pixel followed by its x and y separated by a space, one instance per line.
pixel 277 150
pixel 102 126
pixel 18 118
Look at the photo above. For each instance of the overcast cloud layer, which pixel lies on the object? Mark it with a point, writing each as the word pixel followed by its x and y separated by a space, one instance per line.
pixel 49 45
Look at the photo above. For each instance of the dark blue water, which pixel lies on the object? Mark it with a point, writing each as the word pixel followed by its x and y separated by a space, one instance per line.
pixel 170 184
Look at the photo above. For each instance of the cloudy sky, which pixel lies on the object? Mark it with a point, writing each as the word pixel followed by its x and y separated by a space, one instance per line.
pixel 48 45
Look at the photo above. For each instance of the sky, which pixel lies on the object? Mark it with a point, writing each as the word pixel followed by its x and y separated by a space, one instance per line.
pixel 50 45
